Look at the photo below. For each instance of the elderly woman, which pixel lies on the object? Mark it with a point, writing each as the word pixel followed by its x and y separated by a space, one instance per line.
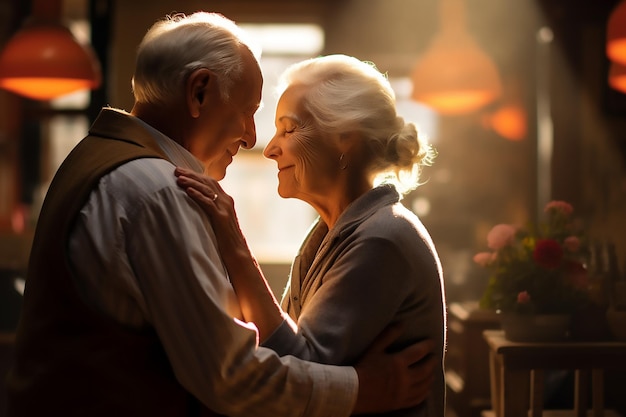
pixel 367 262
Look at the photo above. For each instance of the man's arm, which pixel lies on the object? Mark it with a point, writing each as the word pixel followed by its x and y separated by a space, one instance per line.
pixel 173 281
pixel 393 381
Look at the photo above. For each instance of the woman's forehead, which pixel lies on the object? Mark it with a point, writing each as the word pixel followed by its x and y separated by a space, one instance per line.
pixel 291 105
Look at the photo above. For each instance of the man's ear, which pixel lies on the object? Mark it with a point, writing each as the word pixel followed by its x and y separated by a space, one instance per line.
pixel 198 90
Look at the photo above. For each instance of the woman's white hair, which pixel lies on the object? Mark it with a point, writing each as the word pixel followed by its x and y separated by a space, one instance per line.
pixel 179 44
pixel 346 94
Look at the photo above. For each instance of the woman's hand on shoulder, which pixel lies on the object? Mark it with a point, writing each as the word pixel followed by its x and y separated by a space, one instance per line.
pixel 204 190
pixel 219 206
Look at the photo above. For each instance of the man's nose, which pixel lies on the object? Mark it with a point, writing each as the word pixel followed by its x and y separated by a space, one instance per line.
pixel 249 138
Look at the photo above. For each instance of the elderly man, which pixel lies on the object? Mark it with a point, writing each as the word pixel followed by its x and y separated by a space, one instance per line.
pixel 128 310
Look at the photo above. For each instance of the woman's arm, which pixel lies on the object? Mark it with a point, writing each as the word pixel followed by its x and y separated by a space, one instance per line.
pixel 257 301
pixel 259 305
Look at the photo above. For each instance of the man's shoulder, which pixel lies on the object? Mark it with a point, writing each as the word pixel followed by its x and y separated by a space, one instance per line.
pixel 143 176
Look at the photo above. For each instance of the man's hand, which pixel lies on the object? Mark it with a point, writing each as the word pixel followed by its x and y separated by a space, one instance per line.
pixel 390 381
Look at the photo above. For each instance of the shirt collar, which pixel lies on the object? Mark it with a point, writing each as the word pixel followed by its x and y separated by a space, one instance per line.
pixel 116 123
pixel 174 151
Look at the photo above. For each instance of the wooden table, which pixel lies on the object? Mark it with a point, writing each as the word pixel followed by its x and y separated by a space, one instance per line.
pixel 517 370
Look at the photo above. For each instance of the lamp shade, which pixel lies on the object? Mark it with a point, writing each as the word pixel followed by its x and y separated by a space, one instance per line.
pixel 616 34
pixel 46 61
pixel 617 77
pixel 454 76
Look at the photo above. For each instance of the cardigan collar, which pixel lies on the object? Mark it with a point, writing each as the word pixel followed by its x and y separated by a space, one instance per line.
pixel 319 237
pixel 364 206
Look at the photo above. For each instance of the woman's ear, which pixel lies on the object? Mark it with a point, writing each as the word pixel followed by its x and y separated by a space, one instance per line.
pixel 349 140
pixel 198 90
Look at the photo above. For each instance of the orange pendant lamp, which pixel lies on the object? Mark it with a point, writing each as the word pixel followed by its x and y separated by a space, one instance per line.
pixel 616 34
pixel 43 60
pixel 454 76
pixel 617 77
pixel 509 120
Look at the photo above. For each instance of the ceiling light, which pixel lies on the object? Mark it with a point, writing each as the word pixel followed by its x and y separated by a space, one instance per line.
pixel 616 34
pixel 617 77
pixel 454 76
pixel 43 60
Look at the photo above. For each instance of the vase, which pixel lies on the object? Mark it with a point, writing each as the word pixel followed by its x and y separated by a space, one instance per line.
pixel 536 327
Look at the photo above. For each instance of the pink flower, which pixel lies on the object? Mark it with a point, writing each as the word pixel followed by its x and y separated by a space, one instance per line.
pixel 523 297
pixel 500 235
pixel 561 207
pixel 572 243
pixel 484 258
pixel 548 253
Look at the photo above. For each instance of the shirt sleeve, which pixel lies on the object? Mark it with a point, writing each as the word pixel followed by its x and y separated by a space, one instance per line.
pixel 170 270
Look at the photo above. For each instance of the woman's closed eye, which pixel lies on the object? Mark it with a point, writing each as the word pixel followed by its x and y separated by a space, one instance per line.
pixel 290 128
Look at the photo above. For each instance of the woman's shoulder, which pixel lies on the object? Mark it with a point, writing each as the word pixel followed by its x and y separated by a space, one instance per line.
pixel 393 219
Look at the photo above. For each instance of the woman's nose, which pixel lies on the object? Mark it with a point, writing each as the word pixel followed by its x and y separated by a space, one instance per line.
pixel 271 151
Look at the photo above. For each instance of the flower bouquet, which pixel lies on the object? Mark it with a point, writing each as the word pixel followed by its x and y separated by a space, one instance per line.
pixel 535 270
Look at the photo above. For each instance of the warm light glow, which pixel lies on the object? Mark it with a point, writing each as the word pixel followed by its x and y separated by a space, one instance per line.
pixel 617 77
pixel 44 88
pixel 455 102
pixel 287 39
pixel 616 34
pixel 509 122
pixel 43 62
pixel 455 76
pixel 421 206
pixel 18 220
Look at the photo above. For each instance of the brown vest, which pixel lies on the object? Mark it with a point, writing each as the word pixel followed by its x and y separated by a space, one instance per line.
pixel 71 360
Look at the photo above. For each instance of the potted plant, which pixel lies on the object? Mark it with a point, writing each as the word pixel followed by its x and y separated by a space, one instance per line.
pixel 537 275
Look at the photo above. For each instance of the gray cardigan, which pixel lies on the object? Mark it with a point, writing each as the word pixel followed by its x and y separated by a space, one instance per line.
pixel 377 266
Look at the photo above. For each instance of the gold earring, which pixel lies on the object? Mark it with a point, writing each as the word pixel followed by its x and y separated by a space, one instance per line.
pixel 344 166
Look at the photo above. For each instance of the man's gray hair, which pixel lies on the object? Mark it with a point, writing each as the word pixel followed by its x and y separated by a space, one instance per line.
pixel 180 44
